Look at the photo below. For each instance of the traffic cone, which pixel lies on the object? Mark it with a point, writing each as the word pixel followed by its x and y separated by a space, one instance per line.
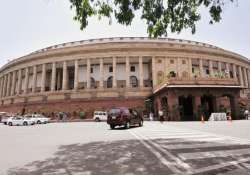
pixel 202 119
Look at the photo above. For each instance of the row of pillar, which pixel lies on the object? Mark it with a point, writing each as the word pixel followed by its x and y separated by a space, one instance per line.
pixel 8 81
pixel 241 70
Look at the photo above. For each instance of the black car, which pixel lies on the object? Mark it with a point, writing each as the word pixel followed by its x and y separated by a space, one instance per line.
pixel 124 117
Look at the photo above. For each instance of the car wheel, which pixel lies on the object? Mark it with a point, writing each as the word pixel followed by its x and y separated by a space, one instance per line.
pixel 127 125
pixel 25 123
pixel 10 123
pixel 112 126
pixel 97 120
pixel 38 122
pixel 141 123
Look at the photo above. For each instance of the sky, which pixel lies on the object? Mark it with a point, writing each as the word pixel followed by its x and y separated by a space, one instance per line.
pixel 30 25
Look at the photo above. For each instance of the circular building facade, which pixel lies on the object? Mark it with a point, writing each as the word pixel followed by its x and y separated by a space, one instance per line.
pixel 182 78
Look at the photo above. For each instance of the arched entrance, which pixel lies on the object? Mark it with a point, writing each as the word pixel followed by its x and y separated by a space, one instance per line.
pixel 208 105
pixel 186 108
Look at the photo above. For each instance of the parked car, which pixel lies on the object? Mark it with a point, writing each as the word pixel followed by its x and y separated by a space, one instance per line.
pixel 124 117
pixel 20 121
pixel 2 115
pixel 5 119
pixel 38 118
pixel 100 116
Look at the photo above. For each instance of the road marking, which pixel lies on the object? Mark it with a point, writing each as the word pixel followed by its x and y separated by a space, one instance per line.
pixel 221 165
pixel 163 160
pixel 178 162
pixel 195 146
pixel 211 154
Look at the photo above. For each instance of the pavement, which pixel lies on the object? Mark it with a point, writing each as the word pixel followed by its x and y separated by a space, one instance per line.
pixel 89 148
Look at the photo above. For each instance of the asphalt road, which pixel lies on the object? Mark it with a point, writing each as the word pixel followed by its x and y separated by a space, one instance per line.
pixel 156 148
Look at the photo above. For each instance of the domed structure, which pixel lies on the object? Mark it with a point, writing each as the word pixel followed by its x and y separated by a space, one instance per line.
pixel 176 75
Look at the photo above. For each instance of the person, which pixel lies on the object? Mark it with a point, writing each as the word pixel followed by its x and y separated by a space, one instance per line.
pixel 151 116
pixel 246 113
pixel 161 115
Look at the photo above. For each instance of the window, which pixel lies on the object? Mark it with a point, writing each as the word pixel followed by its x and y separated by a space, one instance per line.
pixel 110 82
pixel 132 69
pixel 91 70
pixel 159 61
pixel 171 61
pixel 92 83
pixel 183 61
pixel 207 71
pixel 111 69
pixel 133 81
pixel 192 70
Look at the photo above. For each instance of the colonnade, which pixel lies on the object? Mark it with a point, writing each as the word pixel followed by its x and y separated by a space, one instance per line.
pixel 11 82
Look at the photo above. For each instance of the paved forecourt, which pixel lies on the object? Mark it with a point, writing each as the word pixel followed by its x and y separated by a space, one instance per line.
pixel 188 151
pixel 155 148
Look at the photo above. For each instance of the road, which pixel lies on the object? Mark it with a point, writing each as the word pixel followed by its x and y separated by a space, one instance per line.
pixel 156 148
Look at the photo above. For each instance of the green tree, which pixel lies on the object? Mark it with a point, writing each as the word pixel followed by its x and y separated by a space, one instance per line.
pixel 161 16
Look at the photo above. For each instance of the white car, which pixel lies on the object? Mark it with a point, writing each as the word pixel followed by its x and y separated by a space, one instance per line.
pixel 38 118
pixel 100 116
pixel 5 119
pixel 20 121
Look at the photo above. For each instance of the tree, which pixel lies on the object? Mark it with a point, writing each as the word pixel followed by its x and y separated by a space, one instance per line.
pixel 161 16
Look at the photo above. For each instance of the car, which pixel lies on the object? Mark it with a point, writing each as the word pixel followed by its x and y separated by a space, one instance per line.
pixel 100 116
pixel 5 118
pixel 20 121
pixel 38 118
pixel 124 117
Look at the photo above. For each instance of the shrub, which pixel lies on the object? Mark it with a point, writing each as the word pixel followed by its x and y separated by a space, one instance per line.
pixel 82 115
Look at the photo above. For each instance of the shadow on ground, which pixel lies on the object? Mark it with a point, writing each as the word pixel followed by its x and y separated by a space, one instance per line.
pixel 130 157
pixel 99 158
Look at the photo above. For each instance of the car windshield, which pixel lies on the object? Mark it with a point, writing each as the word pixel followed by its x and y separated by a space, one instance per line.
pixel 114 111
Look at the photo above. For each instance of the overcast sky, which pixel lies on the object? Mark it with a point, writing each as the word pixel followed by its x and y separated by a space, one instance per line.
pixel 29 25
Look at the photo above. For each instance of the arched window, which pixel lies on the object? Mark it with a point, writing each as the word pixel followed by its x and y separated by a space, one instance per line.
pixel 110 82
pixel 92 83
pixel 133 81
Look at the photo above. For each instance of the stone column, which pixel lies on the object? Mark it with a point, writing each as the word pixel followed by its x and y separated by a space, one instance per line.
pixel 197 103
pixel 211 70
pixel 101 74
pixel 241 76
pixel 219 66
pixel 114 73
pixel 245 75
pixel 201 67
pixel 76 77
pixel 127 69
pixel 178 72
pixel 5 85
pixel 19 82
pixel 228 70
pixel 141 72
pixel 1 86
pixel 234 72
pixel 26 80
pixel 43 77
pixel 154 75
pixel 34 79
pixel 248 73
pixel 65 72
pixel 190 66
pixel 13 83
pixel 53 77
pixel 8 84
pixel 88 73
